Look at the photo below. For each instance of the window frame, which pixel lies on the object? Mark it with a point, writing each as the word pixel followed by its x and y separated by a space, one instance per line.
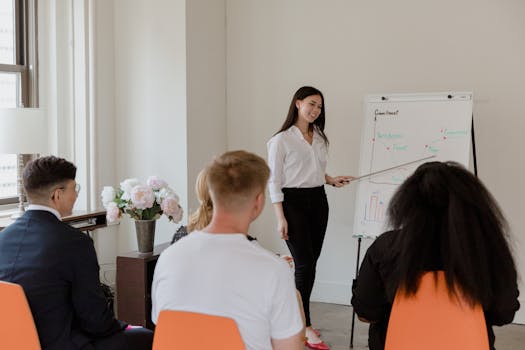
pixel 26 59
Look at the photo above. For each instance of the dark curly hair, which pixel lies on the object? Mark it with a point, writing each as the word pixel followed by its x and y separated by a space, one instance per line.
pixel 447 220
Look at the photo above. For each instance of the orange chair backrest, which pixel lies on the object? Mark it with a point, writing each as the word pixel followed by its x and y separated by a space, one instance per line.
pixel 196 331
pixel 17 327
pixel 433 320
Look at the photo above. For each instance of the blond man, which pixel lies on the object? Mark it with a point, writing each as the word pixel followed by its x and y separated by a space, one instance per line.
pixel 218 271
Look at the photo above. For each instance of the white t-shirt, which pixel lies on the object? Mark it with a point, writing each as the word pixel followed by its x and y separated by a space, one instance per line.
pixel 227 275
pixel 294 162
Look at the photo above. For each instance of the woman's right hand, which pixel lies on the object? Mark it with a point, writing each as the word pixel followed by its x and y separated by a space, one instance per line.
pixel 282 224
pixel 282 228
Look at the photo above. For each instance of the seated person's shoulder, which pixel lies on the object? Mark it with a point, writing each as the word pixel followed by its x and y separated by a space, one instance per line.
pixel 73 236
pixel 74 233
pixel 57 230
pixel 269 258
pixel 181 232
pixel 385 240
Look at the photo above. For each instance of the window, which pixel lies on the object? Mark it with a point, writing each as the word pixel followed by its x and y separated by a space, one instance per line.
pixel 17 75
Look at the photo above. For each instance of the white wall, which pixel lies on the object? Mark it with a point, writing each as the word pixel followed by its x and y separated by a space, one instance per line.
pixel 147 79
pixel 206 86
pixel 352 48
pixel 170 88
pixel 174 87
pixel 55 65
pixel 104 170
pixel 150 100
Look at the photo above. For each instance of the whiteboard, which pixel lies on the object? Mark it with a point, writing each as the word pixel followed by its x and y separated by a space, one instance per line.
pixel 401 128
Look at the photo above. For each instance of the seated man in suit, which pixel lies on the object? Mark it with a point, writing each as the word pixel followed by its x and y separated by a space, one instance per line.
pixel 218 271
pixel 57 266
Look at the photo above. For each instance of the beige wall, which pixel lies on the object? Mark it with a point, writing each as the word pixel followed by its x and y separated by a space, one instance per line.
pixel 170 88
pixel 179 81
pixel 150 99
pixel 352 48
pixel 206 86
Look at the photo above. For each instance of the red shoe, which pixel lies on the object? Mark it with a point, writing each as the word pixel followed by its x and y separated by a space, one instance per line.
pixel 317 346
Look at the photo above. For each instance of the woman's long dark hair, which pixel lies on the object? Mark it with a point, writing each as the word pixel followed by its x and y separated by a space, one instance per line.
pixel 291 118
pixel 447 220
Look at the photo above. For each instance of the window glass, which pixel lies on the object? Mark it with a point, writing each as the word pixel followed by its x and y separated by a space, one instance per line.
pixel 7 32
pixel 14 91
pixel 7 175
pixel 9 90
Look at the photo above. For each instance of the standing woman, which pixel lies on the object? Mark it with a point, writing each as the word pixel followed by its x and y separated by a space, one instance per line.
pixel 297 156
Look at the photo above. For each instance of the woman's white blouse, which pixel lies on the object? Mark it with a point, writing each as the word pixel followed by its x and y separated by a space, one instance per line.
pixel 294 162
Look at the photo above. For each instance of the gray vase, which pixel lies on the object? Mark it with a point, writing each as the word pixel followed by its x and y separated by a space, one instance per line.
pixel 145 230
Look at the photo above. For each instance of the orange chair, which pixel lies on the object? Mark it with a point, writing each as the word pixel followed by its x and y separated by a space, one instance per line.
pixel 433 320
pixel 17 327
pixel 191 330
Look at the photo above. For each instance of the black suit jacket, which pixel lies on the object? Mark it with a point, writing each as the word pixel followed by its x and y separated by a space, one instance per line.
pixel 57 266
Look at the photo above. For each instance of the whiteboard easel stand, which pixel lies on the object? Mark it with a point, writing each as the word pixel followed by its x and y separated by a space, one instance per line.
pixel 474 148
pixel 355 279
pixel 360 238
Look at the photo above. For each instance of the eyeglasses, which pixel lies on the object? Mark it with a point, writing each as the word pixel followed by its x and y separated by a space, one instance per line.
pixel 77 188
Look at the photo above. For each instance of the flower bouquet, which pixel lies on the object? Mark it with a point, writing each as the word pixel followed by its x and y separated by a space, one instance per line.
pixel 144 203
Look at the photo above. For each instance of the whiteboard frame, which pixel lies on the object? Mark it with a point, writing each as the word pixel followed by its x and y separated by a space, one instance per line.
pixel 409 97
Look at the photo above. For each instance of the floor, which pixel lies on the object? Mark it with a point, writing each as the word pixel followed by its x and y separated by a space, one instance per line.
pixel 334 323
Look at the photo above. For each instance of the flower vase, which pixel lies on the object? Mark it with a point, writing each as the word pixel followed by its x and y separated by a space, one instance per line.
pixel 145 230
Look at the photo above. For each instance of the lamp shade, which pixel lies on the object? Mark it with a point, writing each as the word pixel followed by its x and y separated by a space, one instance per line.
pixel 23 131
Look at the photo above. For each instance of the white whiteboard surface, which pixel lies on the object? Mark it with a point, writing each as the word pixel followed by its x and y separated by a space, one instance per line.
pixel 400 128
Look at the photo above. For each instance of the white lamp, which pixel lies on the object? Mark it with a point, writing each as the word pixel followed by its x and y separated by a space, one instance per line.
pixel 22 131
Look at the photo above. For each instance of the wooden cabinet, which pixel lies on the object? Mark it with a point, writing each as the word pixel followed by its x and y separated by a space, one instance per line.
pixel 134 277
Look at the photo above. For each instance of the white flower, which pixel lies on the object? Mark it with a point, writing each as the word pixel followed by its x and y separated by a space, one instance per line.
pixel 165 193
pixel 113 212
pixel 108 195
pixel 142 197
pixel 156 183
pixel 126 186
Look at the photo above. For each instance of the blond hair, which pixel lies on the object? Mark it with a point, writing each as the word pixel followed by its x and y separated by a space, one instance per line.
pixel 234 177
pixel 201 217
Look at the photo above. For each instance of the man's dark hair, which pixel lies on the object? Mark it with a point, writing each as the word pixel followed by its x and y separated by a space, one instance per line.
pixel 43 173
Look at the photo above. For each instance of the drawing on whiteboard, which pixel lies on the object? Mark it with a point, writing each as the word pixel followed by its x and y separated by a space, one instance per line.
pixel 373 211
pixel 391 146
pixel 399 130
pixel 375 208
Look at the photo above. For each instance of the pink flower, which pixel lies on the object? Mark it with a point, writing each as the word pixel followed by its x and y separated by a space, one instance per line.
pixel 171 208
pixel 156 183
pixel 176 218
pixel 113 212
pixel 142 197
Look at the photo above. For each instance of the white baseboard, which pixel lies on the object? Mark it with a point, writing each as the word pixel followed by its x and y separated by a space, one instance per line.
pixel 331 292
